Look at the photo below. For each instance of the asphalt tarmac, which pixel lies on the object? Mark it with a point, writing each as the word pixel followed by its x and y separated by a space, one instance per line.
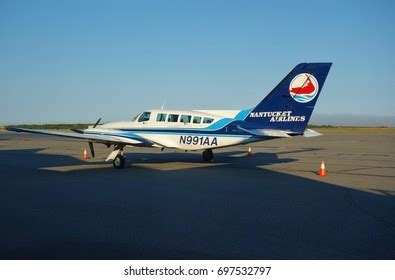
pixel 171 205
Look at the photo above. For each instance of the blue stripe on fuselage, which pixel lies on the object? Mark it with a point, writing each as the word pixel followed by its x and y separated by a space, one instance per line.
pixel 219 124
pixel 220 132
pixel 132 134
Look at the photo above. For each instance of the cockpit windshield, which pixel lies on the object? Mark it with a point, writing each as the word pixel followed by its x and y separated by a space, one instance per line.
pixel 144 117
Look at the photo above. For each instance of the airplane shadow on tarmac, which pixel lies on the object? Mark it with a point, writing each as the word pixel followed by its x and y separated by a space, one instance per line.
pixel 172 206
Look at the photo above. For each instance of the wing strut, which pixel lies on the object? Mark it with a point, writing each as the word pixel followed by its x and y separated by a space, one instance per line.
pixel 91 148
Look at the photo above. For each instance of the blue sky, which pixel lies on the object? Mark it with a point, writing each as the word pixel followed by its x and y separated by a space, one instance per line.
pixel 74 61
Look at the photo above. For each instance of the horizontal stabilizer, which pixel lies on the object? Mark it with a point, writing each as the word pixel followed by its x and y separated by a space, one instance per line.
pixel 267 132
pixel 311 133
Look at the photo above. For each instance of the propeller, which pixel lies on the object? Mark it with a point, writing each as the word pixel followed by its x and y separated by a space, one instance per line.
pixel 97 122
pixel 91 143
pixel 81 131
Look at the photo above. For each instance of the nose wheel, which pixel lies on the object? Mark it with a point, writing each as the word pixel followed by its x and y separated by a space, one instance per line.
pixel 208 155
pixel 119 162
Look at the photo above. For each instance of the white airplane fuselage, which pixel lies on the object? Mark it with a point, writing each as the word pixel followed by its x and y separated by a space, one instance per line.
pixel 185 130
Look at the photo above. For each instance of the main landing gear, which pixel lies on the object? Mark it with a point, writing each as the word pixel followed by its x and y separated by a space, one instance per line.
pixel 119 162
pixel 208 155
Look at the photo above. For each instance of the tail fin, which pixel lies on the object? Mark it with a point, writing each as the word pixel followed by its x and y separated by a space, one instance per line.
pixel 290 104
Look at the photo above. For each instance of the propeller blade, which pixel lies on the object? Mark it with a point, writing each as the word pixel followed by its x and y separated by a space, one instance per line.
pixel 97 122
pixel 91 148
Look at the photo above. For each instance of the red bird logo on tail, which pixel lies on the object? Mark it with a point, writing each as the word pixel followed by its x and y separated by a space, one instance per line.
pixel 303 87
pixel 306 88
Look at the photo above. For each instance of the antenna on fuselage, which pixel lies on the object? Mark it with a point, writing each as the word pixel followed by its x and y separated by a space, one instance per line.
pixel 163 105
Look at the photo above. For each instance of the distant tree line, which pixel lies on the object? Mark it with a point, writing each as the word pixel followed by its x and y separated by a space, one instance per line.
pixel 321 126
pixel 52 126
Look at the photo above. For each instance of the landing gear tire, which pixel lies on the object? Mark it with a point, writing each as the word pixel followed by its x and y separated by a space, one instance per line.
pixel 208 155
pixel 119 162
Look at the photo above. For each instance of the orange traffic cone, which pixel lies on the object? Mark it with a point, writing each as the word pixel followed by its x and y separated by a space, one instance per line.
pixel 85 155
pixel 249 152
pixel 322 171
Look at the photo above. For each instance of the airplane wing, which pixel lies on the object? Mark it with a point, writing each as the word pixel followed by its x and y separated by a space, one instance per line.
pixel 98 138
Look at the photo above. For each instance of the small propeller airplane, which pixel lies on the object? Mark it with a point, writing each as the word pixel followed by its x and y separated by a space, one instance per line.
pixel 284 112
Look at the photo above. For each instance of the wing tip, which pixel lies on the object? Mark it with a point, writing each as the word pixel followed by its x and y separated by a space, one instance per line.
pixel 14 129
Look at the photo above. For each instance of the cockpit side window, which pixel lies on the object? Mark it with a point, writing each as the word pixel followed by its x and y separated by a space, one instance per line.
pixel 144 117
pixel 161 117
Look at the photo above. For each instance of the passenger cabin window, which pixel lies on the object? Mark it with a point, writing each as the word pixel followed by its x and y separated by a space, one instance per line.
pixel 161 117
pixel 144 117
pixel 172 118
pixel 208 120
pixel 185 119
pixel 197 119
